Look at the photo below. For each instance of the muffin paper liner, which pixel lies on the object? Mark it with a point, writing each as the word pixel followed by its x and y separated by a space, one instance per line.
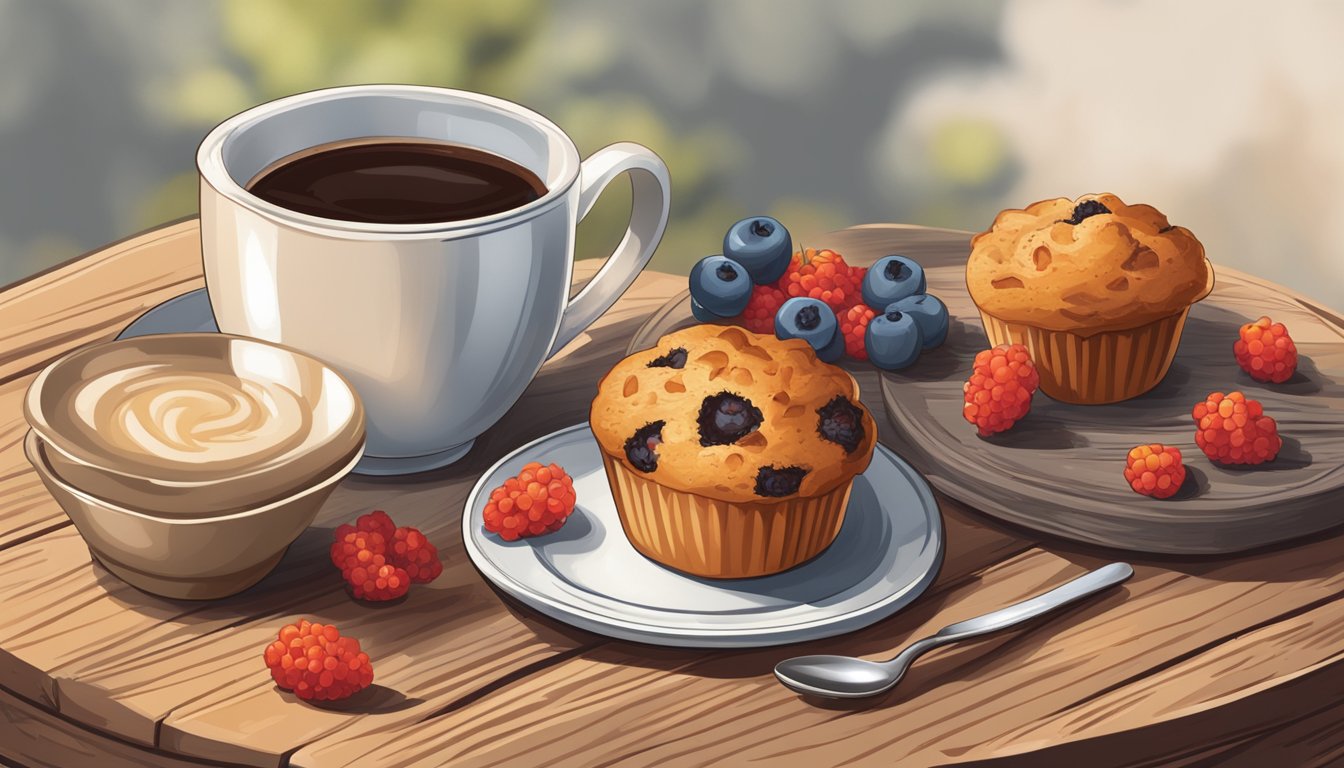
pixel 1104 367
pixel 720 539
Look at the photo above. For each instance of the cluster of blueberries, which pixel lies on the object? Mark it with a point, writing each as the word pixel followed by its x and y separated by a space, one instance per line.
pixel 758 251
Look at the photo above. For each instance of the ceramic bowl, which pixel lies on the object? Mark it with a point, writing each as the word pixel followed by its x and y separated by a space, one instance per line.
pixel 193 424
pixel 200 558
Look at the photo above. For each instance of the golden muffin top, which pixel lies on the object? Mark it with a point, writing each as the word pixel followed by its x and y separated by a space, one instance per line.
pixel 1086 265
pixel 733 415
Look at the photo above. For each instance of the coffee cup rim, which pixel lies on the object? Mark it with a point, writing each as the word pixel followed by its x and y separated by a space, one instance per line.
pixel 212 170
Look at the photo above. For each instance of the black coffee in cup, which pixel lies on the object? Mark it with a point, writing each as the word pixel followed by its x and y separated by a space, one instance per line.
pixel 396 181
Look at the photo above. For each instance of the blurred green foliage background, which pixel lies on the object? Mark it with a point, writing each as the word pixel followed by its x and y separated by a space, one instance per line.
pixel 824 114
pixel 495 47
pixel 138 82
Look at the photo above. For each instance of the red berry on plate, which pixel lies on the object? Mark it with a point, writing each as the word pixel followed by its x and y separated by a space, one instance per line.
pixel 1154 470
pixel 759 316
pixel 999 391
pixel 853 326
pixel 856 275
pixel 824 275
pixel 538 501
pixel 316 662
pixel 1233 429
pixel 1266 351
pixel 410 549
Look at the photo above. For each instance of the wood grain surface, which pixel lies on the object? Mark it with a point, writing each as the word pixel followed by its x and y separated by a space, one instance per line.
pixel 1195 661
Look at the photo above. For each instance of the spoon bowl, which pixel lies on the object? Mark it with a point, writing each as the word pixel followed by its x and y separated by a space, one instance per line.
pixel 837 676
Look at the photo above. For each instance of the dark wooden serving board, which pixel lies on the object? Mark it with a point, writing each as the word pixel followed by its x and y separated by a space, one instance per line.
pixel 1059 470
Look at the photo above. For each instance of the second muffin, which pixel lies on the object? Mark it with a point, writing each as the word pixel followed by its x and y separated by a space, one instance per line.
pixel 1096 289
pixel 730 454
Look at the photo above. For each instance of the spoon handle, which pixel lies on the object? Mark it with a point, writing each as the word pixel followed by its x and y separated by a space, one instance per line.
pixel 1086 585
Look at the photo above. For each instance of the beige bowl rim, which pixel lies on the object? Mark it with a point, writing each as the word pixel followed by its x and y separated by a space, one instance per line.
pixel 51 437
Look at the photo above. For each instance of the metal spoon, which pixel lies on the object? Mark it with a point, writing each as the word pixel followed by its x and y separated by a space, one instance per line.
pixel 847 677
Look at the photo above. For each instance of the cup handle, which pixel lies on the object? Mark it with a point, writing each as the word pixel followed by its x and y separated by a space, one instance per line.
pixel 651 196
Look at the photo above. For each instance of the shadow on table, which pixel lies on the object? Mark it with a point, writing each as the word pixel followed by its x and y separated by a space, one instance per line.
pixel 306 567
pixel 1311 559
pixel 374 700
pixel 962 662
pixel 974 660
pixel 1304 559
pixel 880 640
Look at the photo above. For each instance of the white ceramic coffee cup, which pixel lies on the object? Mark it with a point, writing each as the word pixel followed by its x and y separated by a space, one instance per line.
pixel 440 327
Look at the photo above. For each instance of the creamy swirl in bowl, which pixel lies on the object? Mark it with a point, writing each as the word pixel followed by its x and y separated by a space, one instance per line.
pixel 190 417
pixel 195 422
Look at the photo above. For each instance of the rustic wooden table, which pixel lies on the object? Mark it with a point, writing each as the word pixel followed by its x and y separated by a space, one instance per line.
pixel 1234 660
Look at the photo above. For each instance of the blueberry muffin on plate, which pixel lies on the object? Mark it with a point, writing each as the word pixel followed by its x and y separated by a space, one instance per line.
pixel 1096 289
pixel 731 454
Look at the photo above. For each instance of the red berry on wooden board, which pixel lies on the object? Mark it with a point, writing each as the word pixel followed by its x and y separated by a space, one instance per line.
pixel 1233 429
pixel 998 394
pixel 1154 470
pixel 1266 351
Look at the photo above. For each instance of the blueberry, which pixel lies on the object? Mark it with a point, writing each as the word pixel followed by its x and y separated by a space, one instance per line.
pixel 779 481
pixel 833 351
pixel 892 278
pixel 726 418
pixel 812 321
pixel 642 447
pixel 930 315
pixel 674 358
pixel 841 422
pixel 762 245
pixel 1086 209
pixel 721 285
pixel 893 340
pixel 703 315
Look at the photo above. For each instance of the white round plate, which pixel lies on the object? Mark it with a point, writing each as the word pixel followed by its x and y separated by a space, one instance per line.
pixel 587 574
